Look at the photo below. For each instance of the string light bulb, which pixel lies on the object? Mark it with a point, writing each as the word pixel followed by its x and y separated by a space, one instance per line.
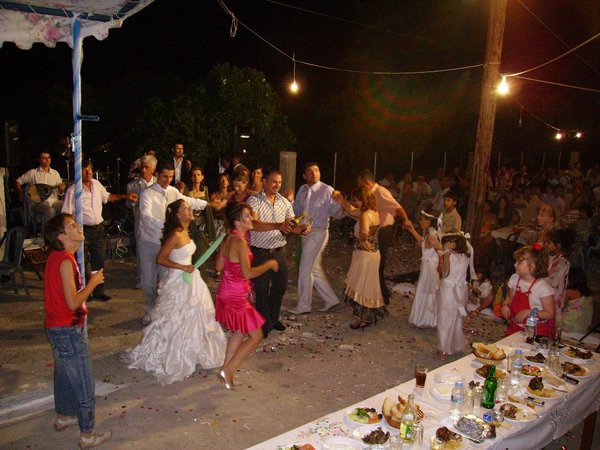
pixel 503 86
pixel 558 136
pixel 578 134
pixel 294 88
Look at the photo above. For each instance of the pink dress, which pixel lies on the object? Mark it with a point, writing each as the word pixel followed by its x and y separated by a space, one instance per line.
pixel 234 310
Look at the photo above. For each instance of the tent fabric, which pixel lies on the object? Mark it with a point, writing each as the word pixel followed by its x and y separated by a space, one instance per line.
pixel 27 22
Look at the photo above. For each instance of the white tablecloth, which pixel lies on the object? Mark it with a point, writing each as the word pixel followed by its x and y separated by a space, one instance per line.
pixel 556 417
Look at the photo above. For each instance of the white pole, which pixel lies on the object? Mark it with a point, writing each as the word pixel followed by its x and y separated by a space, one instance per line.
pixel 412 157
pixel 334 167
pixel 375 166
pixel 444 161
pixel 543 159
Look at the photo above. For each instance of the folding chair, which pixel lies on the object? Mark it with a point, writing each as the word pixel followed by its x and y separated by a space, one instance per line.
pixel 11 261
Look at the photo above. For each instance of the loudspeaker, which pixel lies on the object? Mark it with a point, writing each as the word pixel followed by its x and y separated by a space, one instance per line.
pixel 10 151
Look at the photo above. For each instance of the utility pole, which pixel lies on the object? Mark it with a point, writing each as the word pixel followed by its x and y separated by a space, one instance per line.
pixel 487 114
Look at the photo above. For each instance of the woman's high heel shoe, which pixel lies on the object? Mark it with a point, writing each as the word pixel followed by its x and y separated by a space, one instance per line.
pixel 223 379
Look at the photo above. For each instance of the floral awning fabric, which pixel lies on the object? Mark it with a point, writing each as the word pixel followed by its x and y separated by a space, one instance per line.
pixel 49 22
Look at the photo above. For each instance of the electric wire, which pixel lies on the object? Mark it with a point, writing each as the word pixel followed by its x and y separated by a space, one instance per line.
pixel 558 84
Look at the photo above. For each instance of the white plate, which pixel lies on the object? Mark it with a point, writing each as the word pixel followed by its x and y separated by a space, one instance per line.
pixel 289 446
pixel 448 377
pixel 556 395
pixel 529 414
pixel 363 430
pixel 540 374
pixel 354 422
pixel 442 391
pixel 587 374
pixel 526 361
pixel 575 360
pixel 342 443
pixel 447 422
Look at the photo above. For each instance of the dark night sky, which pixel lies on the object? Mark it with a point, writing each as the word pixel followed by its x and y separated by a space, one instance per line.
pixel 188 37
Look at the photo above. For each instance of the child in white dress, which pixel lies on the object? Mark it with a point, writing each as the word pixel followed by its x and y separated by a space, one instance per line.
pixel 423 312
pixel 453 295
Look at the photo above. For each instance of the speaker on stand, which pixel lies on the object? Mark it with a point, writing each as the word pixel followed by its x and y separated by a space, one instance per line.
pixel 10 148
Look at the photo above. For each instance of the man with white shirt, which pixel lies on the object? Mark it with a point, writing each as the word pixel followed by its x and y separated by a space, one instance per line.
pixel 314 199
pixel 43 174
pixel 93 195
pixel 153 205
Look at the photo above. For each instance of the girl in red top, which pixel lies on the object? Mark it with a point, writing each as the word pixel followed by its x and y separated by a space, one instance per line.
pixel 527 290
pixel 74 396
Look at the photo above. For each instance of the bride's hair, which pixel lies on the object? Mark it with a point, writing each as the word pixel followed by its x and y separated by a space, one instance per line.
pixel 172 222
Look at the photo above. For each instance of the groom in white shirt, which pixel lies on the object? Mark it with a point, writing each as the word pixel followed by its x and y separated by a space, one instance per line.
pixel 153 205
pixel 314 199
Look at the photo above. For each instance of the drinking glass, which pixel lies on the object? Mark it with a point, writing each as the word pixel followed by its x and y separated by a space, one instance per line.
pixel 502 389
pixel 477 395
pixel 468 404
pixel 435 443
pixel 418 433
pixel 558 335
pixel 420 376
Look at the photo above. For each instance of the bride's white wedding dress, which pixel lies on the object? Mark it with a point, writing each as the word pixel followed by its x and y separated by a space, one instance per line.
pixel 183 331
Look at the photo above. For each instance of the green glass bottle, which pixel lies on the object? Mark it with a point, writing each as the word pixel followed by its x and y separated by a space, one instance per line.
pixel 407 421
pixel 488 400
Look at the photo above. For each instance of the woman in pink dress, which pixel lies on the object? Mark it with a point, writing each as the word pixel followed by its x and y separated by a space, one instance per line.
pixel 235 297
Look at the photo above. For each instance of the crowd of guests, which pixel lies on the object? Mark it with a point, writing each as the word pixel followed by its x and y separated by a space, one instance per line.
pixel 180 209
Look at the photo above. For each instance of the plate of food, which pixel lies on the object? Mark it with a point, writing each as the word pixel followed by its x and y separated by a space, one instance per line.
pixel 371 435
pixel 575 370
pixel 577 355
pixel 482 372
pixel 392 411
pixel 341 443
pixel 530 370
pixel 363 415
pixel 452 440
pixel 471 427
pixel 488 353
pixel 518 414
pixel 442 391
pixel 537 389
pixel 538 359
pixel 297 447
pixel 448 377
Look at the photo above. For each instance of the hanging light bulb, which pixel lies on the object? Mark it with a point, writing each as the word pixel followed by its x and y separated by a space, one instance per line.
pixel 558 136
pixel 578 134
pixel 503 86
pixel 294 88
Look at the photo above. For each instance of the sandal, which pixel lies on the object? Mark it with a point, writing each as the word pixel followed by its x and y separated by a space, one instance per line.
pixel 96 439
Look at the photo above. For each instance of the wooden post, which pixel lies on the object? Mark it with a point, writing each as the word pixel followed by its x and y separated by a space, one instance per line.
pixel 375 166
pixel 487 113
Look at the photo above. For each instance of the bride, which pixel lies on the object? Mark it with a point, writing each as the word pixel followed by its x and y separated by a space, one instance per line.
pixel 183 331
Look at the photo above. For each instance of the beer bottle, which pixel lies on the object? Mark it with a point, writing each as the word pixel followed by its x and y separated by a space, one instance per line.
pixel 407 421
pixel 488 400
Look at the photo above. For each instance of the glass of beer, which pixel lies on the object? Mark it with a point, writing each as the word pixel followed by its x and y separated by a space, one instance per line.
pixel 420 376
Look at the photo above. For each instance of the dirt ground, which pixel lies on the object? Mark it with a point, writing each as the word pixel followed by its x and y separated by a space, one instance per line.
pixel 318 365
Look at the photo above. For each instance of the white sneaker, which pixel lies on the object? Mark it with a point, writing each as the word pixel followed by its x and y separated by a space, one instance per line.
pixel 296 311
pixel 96 439
pixel 328 307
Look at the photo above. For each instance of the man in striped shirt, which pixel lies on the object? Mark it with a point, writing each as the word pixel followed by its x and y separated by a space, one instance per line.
pixel 273 216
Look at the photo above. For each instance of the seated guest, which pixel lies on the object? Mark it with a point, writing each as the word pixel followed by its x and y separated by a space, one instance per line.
pixel 503 211
pixel 389 182
pixel 480 293
pixel 546 219
pixel 578 311
pixel 422 188
pixel 46 208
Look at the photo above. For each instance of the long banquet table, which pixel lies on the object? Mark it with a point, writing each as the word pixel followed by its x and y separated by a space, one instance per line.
pixel 556 417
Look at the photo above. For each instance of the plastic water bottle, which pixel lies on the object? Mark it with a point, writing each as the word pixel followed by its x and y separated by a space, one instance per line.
pixel 457 399
pixel 515 374
pixel 531 326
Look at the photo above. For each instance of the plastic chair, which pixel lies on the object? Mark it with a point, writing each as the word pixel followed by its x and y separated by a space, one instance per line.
pixel 11 261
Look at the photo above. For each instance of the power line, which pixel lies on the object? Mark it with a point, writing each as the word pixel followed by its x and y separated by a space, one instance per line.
pixel 538 118
pixel 556 58
pixel 557 36
pixel 558 84
pixel 233 30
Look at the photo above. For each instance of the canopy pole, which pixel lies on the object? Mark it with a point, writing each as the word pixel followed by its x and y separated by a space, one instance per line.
pixel 77 58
